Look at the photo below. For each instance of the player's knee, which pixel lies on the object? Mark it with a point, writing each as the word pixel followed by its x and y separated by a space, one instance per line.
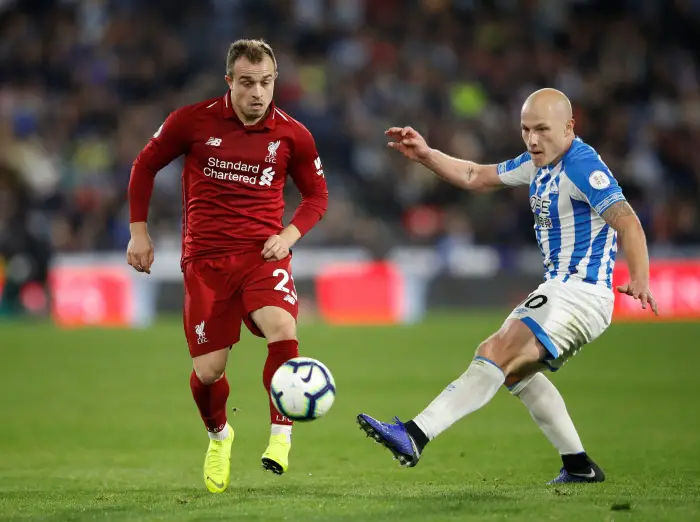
pixel 209 368
pixel 497 348
pixel 208 375
pixel 512 348
pixel 501 349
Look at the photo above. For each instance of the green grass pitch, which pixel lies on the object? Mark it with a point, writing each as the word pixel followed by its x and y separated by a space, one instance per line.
pixel 100 425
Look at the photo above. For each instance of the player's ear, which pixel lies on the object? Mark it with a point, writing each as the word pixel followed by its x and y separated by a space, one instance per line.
pixel 229 80
pixel 570 126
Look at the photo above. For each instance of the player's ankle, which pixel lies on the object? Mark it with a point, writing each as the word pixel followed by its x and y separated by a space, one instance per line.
pixel 420 438
pixel 221 434
pixel 576 462
pixel 281 429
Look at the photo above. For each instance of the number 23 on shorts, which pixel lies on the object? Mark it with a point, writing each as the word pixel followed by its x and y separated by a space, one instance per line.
pixel 285 284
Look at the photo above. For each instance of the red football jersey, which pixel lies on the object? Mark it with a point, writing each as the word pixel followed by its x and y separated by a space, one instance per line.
pixel 233 178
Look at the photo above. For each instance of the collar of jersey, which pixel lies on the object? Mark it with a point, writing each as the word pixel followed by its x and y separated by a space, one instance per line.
pixel 267 123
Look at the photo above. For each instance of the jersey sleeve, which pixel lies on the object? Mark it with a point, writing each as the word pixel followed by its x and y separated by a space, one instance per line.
pixel 307 172
pixel 596 184
pixel 169 142
pixel 518 171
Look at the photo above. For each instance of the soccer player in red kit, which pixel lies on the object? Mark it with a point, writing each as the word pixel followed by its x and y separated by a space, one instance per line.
pixel 236 253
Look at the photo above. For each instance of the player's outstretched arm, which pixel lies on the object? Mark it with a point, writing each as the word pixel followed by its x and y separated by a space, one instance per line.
pixel 460 173
pixel 631 238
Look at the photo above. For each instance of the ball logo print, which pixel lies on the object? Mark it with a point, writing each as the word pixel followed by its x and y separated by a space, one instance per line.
pixel 303 389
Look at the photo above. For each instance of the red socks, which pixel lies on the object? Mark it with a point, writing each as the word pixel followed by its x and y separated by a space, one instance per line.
pixel 211 401
pixel 278 353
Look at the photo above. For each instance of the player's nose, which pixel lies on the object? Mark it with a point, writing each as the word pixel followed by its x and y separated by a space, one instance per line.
pixel 257 91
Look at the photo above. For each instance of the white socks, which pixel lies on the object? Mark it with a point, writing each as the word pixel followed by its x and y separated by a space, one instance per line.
pixel 547 408
pixel 472 390
pixel 478 385
pixel 278 429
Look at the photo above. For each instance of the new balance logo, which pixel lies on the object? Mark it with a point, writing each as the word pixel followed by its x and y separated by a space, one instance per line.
pixel 214 142
pixel 319 168
pixel 201 336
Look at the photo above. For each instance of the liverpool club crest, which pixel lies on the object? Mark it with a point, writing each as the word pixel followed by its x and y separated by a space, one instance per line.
pixel 272 151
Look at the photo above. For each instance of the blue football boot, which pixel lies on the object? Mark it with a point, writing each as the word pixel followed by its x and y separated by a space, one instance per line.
pixel 393 436
pixel 595 474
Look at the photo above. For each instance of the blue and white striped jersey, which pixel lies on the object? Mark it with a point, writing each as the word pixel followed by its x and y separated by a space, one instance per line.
pixel 567 200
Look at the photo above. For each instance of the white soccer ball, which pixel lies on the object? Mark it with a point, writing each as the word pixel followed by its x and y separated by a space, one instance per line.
pixel 303 389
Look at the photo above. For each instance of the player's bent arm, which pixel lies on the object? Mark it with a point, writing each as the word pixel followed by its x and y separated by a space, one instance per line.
pixel 464 174
pixel 631 238
pixel 306 170
pixel 291 234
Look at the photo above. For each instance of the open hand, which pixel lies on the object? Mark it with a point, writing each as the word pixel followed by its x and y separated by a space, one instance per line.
pixel 640 290
pixel 409 142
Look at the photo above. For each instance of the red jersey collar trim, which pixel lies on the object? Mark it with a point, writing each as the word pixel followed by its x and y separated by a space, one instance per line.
pixel 268 122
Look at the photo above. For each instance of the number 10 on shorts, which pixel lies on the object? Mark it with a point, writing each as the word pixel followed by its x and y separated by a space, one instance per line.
pixel 281 286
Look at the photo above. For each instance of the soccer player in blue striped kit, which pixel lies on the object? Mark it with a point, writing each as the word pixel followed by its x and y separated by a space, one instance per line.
pixel 580 217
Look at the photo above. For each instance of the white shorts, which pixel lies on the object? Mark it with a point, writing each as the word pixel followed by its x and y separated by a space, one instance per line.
pixel 564 317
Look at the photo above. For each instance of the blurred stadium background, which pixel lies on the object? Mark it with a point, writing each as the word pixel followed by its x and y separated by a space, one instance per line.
pixel 85 83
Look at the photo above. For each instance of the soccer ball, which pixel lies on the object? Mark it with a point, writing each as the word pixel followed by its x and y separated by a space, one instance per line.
pixel 303 389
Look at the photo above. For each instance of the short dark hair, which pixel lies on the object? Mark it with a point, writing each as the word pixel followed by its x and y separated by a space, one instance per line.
pixel 254 50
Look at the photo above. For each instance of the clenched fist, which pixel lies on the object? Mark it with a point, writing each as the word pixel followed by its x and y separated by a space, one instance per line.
pixel 275 249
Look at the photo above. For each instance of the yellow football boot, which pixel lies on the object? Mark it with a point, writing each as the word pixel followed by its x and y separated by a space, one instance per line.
pixel 276 456
pixel 217 463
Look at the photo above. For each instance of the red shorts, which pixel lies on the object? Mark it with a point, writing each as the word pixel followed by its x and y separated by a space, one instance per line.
pixel 220 293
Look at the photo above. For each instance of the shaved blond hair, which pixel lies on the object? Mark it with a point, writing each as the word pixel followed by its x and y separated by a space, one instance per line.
pixel 549 102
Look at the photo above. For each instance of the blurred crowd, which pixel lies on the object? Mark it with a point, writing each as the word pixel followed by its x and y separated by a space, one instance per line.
pixel 85 83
